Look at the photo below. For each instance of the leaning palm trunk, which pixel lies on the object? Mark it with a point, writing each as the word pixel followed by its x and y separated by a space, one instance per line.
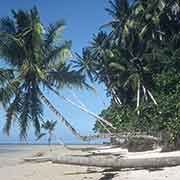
pixel 78 100
pixel 138 97
pixel 88 138
pixel 62 119
pixel 65 122
pixel 99 119
pixel 80 103
pixel 117 100
pixel 151 96
pixel 120 163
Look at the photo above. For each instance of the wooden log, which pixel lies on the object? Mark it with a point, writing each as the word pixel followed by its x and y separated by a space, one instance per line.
pixel 112 151
pixel 122 135
pixel 121 163
pixel 38 159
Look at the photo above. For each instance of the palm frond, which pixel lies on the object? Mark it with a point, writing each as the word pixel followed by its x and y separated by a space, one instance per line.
pixel 5 75
pixel 22 19
pixel 12 113
pixel 7 25
pixel 62 76
pixel 40 136
pixel 58 54
pixel 30 109
pixel 54 32
pixel 8 91
pixel 24 118
pixel 11 50
pixel 38 57
pixel 84 64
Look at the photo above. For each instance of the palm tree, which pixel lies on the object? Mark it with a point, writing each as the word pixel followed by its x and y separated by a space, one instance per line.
pixel 118 58
pixel 120 11
pixel 93 62
pixel 35 59
pixel 49 127
pixel 128 33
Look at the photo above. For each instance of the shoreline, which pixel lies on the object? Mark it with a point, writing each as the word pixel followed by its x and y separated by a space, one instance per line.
pixel 12 167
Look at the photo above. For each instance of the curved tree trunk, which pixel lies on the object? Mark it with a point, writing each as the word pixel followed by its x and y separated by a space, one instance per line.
pixel 99 119
pixel 120 163
pixel 87 138
pixel 60 116
pixel 65 122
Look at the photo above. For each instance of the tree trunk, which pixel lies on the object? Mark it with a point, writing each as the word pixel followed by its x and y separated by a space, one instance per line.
pixel 120 163
pixel 60 116
pixel 65 122
pixel 138 97
pixel 167 143
pixel 99 119
pixel 87 138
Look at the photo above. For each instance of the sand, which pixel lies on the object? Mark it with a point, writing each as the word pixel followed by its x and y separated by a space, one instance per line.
pixel 12 167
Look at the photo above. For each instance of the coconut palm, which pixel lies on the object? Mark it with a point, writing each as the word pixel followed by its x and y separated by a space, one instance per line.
pixel 49 127
pixel 120 11
pixel 133 79
pixel 34 59
pixel 118 58
pixel 93 62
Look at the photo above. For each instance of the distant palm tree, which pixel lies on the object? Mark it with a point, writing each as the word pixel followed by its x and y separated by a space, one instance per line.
pixel 49 127
pixel 34 59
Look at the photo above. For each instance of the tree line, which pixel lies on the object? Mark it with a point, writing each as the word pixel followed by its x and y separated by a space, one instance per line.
pixel 136 55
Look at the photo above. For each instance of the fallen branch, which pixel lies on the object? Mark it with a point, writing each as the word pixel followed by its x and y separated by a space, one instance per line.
pixel 38 159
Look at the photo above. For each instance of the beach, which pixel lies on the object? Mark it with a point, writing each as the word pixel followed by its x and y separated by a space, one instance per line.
pixel 12 166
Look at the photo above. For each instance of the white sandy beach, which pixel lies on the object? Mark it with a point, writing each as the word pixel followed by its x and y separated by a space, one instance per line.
pixel 12 167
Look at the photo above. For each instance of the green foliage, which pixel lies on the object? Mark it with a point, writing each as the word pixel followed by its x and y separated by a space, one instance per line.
pixel 33 57
pixel 138 61
pixel 49 127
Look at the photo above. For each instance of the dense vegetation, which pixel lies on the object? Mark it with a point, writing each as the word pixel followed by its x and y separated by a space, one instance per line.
pixel 139 62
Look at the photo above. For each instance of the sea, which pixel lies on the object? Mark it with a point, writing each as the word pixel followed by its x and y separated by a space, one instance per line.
pixel 9 148
pixel 21 146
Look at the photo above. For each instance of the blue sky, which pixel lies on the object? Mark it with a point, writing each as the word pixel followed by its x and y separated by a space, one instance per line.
pixel 83 18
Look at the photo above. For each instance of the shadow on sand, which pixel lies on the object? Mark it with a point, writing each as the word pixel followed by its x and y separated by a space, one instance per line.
pixel 108 176
pixel 110 173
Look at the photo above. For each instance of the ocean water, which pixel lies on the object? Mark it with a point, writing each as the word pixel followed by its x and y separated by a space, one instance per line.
pixel 11 148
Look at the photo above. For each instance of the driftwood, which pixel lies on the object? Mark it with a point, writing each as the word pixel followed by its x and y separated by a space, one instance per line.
pixel 121 163
pixel 110 151
pixel 123 135
pixel 38 159
pixel 90 148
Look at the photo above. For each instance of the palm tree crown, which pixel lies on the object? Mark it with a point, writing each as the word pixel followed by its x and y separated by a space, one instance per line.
pixel 34 58
pixel 49 127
